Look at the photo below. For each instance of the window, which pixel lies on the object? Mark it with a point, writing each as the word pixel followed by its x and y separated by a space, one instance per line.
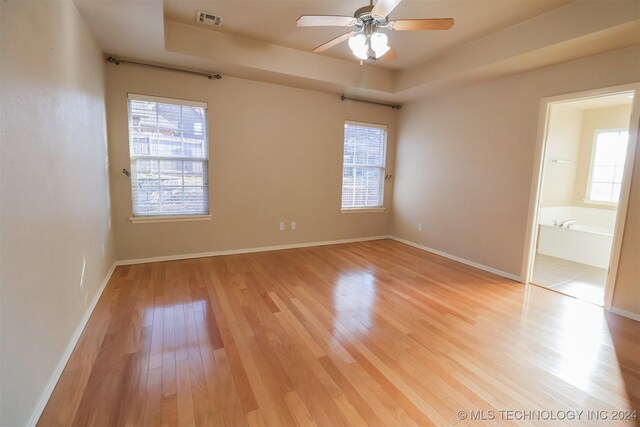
pixel 169 156
pixel 607 166
pixel 365 148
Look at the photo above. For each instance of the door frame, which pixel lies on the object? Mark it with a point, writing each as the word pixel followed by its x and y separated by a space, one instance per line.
pixel 538 168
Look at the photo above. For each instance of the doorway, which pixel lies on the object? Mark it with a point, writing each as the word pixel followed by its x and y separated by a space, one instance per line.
pixel 585 157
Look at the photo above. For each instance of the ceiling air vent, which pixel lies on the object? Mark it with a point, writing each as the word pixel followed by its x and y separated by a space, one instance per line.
pixel 208 19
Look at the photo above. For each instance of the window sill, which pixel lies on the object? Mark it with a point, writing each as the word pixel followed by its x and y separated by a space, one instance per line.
pixel 362 210
pixel 599 202
pixel 174 218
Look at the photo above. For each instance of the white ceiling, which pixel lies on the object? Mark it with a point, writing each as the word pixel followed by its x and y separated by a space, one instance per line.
pixel 275 22
pixel 259 40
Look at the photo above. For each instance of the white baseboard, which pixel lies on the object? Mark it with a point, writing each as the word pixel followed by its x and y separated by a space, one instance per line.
pixel 53 380
pixel 458 259
pixel 311 244
pixel 247 250
pixel 628 314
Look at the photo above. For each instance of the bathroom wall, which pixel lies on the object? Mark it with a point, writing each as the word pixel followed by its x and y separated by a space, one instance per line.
pixel 563 143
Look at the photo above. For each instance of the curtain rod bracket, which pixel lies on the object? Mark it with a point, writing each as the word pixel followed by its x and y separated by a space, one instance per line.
pixel 384 104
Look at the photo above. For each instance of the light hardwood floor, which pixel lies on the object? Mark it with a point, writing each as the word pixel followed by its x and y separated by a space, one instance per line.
pixel 374 333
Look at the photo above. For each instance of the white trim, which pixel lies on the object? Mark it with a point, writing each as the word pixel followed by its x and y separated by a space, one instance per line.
pixel 628 314
pixel 247 250
pixel 534 194
pixel 162 100
pixel 382 168
pixel 53 380
pixel 312 244
pixel 458 259
pixel 169 218
pixel 361 210
pixel 623 203
pixel 136 201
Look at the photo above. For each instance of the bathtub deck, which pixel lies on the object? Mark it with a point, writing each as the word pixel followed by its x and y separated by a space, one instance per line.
pixel 581 281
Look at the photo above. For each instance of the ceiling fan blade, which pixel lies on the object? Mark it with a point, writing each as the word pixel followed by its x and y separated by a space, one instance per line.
pixel 389 56
pixel 326 21
pixel 332 43
pixel 421 24
pixel 384 7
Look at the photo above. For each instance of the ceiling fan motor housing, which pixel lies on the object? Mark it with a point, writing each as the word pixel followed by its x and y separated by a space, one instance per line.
pixel 364 16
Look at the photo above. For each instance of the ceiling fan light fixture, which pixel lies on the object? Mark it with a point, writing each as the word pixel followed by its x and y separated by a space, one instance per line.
pixel 380 44
pixel 359 46
pixel 365 41
pixel 366 47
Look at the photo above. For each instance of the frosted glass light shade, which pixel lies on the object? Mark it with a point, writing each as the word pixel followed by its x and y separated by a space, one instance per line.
pixel 358 45
pixel 361 45
pixel 379 44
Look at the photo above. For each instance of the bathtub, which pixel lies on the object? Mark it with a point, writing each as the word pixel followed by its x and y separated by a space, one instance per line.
pixel 588 241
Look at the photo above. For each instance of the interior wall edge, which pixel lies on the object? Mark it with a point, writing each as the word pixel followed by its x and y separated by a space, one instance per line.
pixel 320 243
pixel 64 359
pixel 248 250
pixel 458 259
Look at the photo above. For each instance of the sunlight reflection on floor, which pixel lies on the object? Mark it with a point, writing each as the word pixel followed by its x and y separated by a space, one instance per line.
pixel 354 297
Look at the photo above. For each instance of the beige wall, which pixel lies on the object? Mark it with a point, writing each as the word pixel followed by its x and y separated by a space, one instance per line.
pixel 563 143
pixel 54 191
pixel 614 117
pixel 275 155
pixel 465 162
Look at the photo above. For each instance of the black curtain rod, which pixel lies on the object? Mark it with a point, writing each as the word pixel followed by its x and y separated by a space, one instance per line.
pixel 393 106
pixel 117 61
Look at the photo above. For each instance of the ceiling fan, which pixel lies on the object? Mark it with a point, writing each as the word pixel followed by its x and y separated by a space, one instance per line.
pixel 366 41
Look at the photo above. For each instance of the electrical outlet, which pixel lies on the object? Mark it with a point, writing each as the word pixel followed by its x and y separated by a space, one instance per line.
pixel 282 226
pixel 293 225
pixel 419 226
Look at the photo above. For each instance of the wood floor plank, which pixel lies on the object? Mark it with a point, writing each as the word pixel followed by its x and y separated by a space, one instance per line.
pixel 373 333
pixel 234 413
pixel 186 415
pixel 153 399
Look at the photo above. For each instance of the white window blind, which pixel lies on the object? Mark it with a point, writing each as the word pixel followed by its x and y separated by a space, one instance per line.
pixel 169 156
pixel 365 147
pixel 607 166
